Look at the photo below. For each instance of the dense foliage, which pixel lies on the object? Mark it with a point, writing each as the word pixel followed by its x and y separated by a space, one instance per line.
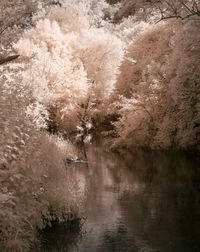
pixel 159 89
pixel 88 68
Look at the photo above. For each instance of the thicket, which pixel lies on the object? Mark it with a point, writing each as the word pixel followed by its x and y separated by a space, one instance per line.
pixel 158 88
pixel 35 187
pixel 82 69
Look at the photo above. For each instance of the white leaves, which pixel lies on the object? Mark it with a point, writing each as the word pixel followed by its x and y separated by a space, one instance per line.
pixel 41 189
pixel 70 55
pixel 4 189
pixel 88 139
pixel 131 60
pixel 22 142
pixel 38 114
pixel 79 128
pixel 14 135
pixel 89 125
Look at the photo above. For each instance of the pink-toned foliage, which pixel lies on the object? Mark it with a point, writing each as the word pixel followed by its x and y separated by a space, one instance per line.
pixel 68 64
pixel 68 76
pixel 159 85
pixel 35 184
pixel 74 64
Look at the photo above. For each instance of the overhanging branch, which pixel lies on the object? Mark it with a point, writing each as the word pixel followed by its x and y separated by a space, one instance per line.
pixel 8 59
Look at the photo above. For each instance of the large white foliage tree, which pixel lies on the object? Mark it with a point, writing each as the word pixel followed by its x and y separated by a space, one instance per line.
pixel 73 63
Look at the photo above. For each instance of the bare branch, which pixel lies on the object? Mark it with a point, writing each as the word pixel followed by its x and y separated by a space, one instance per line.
pixel 187 8
pixel 179 9
pixel 8 59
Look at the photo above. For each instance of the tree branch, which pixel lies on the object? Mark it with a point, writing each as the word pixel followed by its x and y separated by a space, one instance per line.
pixel 8 59
pixel 169 10
pixel 179 17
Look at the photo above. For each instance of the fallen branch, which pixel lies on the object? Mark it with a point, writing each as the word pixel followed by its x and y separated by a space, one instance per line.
pixel 8 59
pixel 75 160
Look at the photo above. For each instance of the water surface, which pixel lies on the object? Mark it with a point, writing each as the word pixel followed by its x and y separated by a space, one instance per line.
pixel 139 202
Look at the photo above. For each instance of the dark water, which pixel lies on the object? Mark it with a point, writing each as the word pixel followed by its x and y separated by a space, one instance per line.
pixel 139 202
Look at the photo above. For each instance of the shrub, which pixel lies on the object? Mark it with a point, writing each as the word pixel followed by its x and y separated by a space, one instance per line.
pixel 35 186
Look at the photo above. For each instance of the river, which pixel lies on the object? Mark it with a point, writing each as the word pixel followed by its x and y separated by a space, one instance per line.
pixel 149 201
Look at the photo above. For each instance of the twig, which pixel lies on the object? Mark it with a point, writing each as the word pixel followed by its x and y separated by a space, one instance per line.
pixel 8 59
pixel 179 17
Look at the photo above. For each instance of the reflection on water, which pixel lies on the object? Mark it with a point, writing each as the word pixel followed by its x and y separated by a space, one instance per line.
pixel 139 202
